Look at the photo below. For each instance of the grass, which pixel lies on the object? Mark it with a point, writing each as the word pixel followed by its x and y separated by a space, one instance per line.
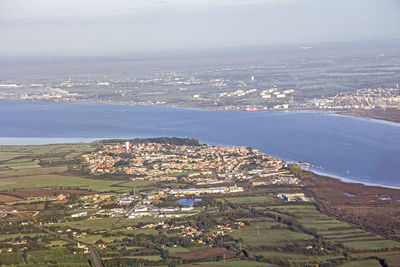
pixel 10 152
pixel 177 249
pixel 265 237
pixel 105 223
pixel 59 255
pixel 92 224
pixel 58 243
pixel 21 169
pixel 393 260
pixel 362 263
pixel 372 244
pixel 311 218
pixel 137 185
pixel 34 172
pixel 148 257
pixel 9 155
pixel 286 255
pixel 249 200
pixel 299 259
pixel 329 233
pixel 58 181
pixel 10 259
pixel 237 264
pixel 146 231
pixel 91 239
pixel 8 236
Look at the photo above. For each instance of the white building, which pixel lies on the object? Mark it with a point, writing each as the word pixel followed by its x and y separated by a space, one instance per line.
pixel 80 214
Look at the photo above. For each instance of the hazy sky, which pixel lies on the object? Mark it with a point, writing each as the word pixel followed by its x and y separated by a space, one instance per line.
pixel 93 26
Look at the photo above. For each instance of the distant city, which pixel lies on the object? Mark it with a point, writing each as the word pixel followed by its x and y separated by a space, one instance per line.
pixel 188 91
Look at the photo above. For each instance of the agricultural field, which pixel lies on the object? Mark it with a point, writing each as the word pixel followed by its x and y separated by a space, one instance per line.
pixel 53 215
pixel 36 167
pixel 256 235
pixel 242 263
pixel 56 256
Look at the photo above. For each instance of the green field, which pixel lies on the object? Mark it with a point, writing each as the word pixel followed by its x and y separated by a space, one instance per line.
pixel 248 200
pixel 59 256
pixel 265 237
pixel 238 264
pixel 362 263
pixel 4 237
pixel 20 168
pixel 91 239
pixel 149 257
pixel 58 181
pixel 372 244
pixel 105 223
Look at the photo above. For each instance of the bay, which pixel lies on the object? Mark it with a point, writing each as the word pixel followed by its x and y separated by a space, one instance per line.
pixel 356 149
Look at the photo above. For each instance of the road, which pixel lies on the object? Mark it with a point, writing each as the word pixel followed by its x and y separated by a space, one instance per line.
pixel 130 208
pixel 95 258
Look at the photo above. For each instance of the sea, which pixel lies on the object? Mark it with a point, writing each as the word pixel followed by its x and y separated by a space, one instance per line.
pixel 352 149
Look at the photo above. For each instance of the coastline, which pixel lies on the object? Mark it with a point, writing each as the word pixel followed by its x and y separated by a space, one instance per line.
pixel 384 115
pixel 350 181
pixel 37 141
pixel 392 116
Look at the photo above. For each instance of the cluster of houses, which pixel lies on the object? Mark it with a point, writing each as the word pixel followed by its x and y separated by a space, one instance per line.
pixel 192 164
pixel 362 99
pixel 54 197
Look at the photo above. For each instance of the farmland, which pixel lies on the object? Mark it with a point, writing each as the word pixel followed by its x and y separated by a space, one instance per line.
pixel 48 203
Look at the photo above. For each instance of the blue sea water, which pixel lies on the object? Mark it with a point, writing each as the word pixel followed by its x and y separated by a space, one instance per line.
pixel 356 149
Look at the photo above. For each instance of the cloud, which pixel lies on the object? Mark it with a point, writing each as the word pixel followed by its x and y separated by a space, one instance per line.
pixel 55 26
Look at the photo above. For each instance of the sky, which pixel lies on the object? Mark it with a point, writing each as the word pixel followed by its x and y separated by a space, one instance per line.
pixel 62 27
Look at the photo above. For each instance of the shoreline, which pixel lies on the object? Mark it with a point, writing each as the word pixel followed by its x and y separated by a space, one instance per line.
pixel 392 116
pixel 361 114
pixel 350 181
pixel 39 141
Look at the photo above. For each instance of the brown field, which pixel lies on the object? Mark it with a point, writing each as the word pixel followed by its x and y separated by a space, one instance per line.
pixel 8 198
pixel 59 202
pixel 363 208
pixel 41 193
pixel 387 115
pixel 205 252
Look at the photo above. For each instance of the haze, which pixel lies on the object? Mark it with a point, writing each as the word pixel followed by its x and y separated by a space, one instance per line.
pixel 99 26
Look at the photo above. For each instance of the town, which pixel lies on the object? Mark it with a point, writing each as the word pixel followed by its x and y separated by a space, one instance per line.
pixel 199 164
pixel 160 201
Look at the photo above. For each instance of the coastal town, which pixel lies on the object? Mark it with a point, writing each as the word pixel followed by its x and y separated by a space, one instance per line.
pixel 155 201
pixel 197 165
